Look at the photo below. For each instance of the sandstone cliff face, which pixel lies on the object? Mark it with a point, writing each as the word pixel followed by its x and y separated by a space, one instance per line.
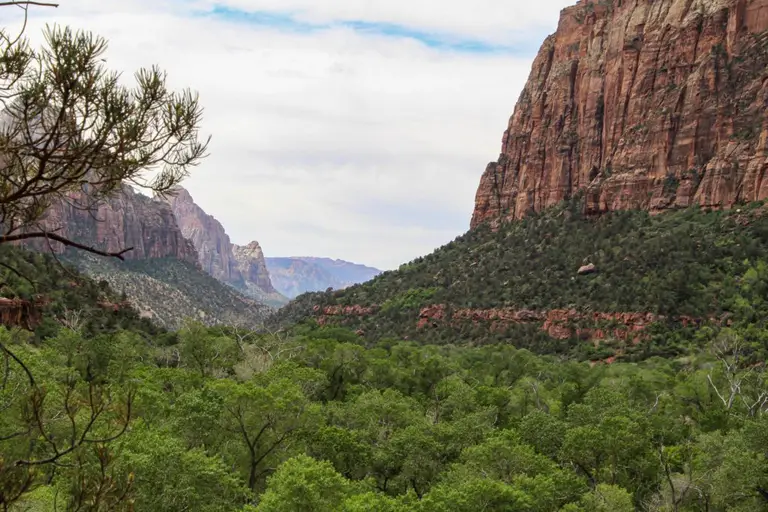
pixel 252 266
pixel 129 219
pixel 649 104
pixel 208 236
pixel 242 268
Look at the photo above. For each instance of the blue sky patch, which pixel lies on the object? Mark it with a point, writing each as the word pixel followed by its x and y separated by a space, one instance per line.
pixel 288 22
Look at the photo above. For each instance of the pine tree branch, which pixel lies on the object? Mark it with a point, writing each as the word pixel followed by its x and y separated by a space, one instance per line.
pixel 65 241
pixel 27 3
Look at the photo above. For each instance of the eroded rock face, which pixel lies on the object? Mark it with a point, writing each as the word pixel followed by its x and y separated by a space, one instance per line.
pixel 652 104
pixel 252 266
pixel 129 219
pixel 243 268
pixel 558 323
pixel 208 236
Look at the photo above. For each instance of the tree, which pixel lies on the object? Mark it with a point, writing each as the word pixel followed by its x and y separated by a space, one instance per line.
pixel 14 50
pixel 303 483
pixel 265 419
pixel 608 498
pixel 205 352
pixel 49 423
pixel 474 494
pixel 71 132
pixel 199 481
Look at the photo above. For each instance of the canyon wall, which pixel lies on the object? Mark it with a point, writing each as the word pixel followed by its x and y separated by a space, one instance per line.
pixel 243 268
pixel 647 104
pixel 129 219
pixel 207 235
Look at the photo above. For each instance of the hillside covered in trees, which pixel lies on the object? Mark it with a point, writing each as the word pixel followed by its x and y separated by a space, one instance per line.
pixel 654 281
pixel 110 413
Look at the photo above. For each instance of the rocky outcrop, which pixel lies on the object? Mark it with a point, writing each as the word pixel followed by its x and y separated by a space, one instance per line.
pixel 243 268
pixel 21 313
pixel 251 265
pixel 558 323
pixel 213 246
pixel 650 104
pixel 129 219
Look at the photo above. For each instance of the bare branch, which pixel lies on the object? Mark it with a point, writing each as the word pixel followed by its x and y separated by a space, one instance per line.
pixel 27 3
pixel 65 241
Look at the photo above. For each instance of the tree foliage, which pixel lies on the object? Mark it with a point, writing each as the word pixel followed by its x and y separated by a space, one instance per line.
pixel 331 425
pixel 72 132
pixel 706 266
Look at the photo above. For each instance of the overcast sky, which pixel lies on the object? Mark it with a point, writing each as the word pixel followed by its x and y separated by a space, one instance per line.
pixel 353 129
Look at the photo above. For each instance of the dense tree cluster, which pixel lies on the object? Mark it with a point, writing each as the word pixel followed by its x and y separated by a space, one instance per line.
pixel 221 419
pixel 690 262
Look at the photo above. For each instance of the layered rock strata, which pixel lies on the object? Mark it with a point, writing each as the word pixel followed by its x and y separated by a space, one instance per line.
pixel 649 104
pixel 127 220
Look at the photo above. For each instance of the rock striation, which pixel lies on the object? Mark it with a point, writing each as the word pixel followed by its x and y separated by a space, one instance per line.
pixel 128 219
pixel 650 104
pixel 213 246
pixel 243 268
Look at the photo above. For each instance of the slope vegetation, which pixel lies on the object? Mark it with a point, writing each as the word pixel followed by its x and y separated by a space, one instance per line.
pixel 40 294
pixel 655 279
pixel 169 291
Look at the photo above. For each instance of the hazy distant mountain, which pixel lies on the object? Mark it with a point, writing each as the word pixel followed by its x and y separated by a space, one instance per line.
pixel 293 276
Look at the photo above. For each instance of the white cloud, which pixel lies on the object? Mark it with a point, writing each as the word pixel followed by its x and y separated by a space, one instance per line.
pixel 490 20
pixel 331 143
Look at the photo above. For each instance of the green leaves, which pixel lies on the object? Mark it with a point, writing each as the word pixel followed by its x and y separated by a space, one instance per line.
pixel 199 482
pixel 330 425
pixel 301 484
pixel 71 130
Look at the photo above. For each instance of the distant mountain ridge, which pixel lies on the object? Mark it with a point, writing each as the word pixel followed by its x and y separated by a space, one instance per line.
pixel 180 250
pixel 293 276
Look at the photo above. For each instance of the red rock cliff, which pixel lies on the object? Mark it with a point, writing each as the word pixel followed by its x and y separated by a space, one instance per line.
pixel 241 267
pixel 650 104
pixel 129 219
pixel 208 236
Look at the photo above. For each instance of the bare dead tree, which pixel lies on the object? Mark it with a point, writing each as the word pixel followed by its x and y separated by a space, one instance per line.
pixel 72 319
pixel 729 350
